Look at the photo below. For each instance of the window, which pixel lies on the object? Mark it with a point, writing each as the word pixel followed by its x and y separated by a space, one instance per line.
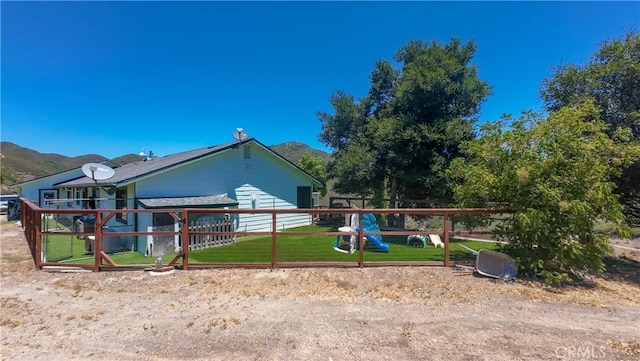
pixel 247 152
pixel 47 198
pixel 121 203
pixel 304 197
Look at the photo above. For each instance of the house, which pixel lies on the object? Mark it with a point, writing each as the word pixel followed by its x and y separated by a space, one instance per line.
pixel 41 190
pixel 244 174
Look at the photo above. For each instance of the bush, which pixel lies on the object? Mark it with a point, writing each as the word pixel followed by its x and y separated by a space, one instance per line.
pixel 556 173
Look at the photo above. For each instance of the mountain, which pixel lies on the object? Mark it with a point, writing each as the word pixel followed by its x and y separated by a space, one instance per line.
pixel 293 151
pixel 19 164
pixel 26 164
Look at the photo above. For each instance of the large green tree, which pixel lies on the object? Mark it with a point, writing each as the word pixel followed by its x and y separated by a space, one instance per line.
pixel 399 139
pixel 611 78
pixel 555 174
pixel 317 167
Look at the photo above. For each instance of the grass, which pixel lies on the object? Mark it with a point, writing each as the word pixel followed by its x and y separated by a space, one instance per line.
pixel 290 248
pixel 67 249
pixel 311 248
pixel 64 248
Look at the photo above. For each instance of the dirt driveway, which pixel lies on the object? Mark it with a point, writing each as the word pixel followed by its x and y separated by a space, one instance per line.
pixel 309 314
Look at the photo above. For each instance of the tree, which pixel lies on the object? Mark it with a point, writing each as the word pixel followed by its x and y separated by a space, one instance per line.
pixel 612 80
pixel 341 127
pixel 555 174
pixel 317 167
pixel 400 138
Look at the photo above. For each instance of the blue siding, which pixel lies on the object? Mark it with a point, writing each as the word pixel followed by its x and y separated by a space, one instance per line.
pixel 31 190
pixel 270 180
pixel 250 197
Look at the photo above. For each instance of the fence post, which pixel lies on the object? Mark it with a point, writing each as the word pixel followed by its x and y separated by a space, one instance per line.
pixel 185 240
pixel 446 239
pixel 360 238
pixel 274 245
pixel 38 239
pixel 97 246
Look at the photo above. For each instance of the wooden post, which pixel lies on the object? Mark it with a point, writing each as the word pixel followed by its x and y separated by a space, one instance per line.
pixel 446 239
pixel 38 239
pixel 274 244
pixel 185 239
pixel 360 239
pixel 97 247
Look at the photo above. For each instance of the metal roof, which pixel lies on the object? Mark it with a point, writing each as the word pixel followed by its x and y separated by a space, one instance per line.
pixel 188 202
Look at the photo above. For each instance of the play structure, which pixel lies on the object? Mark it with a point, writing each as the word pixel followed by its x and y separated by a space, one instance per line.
pixel 420 241
pixel 372 242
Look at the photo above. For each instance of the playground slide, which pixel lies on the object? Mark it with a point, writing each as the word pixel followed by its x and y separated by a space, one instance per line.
pixel 436 241
pixel 374 241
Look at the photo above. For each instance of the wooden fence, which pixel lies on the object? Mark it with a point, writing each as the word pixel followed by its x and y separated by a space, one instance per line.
pixel 31 218
pixel 218 233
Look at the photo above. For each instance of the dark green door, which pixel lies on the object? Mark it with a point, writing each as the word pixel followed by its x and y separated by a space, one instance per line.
pixel 304 197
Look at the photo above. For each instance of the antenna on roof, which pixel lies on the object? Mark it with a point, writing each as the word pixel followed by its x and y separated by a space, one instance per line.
pixel 240 134
pixel 145 157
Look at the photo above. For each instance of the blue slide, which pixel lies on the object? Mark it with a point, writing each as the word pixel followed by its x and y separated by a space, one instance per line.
pixel 374 241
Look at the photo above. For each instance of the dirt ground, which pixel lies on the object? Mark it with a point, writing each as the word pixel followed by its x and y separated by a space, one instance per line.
pixel 310 314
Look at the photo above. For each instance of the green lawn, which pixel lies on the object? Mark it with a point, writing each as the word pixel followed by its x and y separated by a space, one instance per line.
pixel 303 248
pixel 257 249
pixel 64 248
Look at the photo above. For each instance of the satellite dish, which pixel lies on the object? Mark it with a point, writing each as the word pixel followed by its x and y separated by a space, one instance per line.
pixel 240 134
pixel 97 171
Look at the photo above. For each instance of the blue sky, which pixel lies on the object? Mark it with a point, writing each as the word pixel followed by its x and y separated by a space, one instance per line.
pixel 112 78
